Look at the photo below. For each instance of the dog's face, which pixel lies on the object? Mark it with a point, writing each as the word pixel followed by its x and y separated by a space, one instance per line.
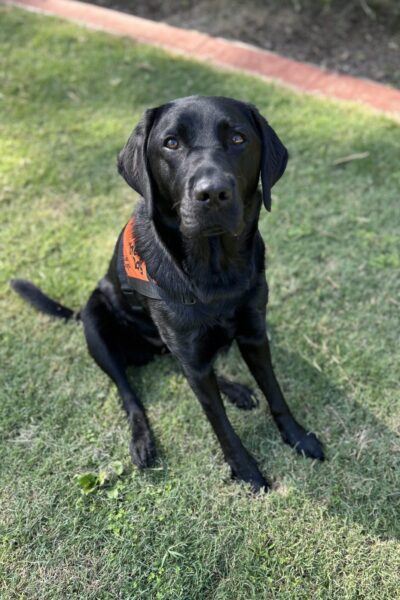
pixel 198 161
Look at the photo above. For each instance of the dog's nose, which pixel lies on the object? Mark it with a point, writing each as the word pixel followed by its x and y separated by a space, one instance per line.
pixel 212 192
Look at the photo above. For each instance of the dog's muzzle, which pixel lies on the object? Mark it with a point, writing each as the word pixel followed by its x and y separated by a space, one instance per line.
pixel 211 207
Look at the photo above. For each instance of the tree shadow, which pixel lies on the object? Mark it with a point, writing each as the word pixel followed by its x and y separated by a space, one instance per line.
pixel 358 482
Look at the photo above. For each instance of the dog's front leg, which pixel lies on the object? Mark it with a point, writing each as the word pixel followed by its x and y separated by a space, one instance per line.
pixel 104 340
pixel 257 356
pixel 242 463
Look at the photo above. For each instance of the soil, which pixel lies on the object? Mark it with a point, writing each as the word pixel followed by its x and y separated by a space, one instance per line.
pixel 352 39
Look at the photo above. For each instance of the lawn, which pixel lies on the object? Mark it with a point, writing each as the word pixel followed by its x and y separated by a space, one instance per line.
pixel 69 98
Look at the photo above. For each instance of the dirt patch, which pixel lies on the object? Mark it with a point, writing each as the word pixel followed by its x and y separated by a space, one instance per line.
pixel 352 39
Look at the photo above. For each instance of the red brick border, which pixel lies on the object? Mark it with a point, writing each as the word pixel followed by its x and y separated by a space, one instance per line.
pixel 302 77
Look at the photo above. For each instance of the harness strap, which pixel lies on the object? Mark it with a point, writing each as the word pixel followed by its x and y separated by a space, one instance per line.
pixel 132 270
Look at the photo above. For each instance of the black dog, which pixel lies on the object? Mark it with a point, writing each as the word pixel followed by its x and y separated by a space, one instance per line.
pixel 187 274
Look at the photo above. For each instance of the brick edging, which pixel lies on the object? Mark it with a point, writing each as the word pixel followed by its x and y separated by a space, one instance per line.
pixel 302 77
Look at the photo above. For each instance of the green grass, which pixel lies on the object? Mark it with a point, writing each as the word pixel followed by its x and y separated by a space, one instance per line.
pixel 69 98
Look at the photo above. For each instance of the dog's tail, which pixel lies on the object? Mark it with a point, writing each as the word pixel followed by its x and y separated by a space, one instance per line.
pixel 31 294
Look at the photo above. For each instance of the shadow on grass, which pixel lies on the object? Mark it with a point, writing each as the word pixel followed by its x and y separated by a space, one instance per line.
pixel 358 482
pixel 359 479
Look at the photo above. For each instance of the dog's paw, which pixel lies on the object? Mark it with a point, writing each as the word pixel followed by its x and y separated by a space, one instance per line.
pixel 305 443
pixel 240 395
pixel 310 446
pixel 142 449
pixel 254 478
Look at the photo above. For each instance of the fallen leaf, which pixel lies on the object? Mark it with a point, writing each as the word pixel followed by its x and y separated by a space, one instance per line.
pixel 346 159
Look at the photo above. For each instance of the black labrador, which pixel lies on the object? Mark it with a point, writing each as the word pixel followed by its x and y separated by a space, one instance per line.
pixel 187 274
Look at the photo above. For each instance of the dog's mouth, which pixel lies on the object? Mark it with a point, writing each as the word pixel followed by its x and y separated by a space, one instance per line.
pixel 215 230
pixel 195 223
pixel 197 230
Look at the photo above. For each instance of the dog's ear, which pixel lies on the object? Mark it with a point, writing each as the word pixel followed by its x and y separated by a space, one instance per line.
pixel 133 163
pixel 274 156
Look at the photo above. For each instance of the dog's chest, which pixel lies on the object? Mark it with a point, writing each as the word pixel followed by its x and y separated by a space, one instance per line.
pixel 213 325
pixel 210 315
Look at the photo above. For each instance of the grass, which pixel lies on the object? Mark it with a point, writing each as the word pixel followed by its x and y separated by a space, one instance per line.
pixel 69 98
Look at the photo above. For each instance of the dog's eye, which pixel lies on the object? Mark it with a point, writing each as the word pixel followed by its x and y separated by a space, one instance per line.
pixel 238 138
pixel 171 143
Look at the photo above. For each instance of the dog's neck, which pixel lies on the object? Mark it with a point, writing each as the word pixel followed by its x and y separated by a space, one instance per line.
pixel 212 267
pixel 212 256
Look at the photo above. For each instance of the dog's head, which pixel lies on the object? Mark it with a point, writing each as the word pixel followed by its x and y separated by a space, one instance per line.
pixel 199 159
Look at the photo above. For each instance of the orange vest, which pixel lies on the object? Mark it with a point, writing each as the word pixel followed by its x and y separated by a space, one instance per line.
pixel 133 274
